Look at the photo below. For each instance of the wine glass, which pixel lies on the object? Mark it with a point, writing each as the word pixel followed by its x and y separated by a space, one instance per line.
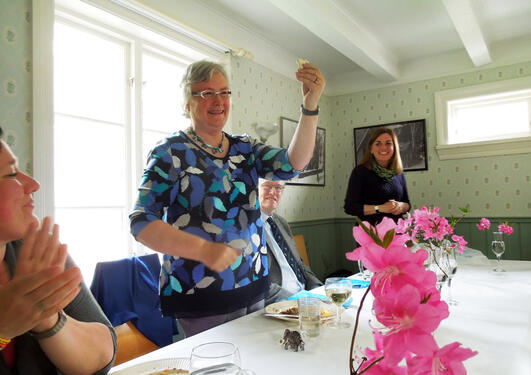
pixel 451 260
pixel 498 248
pixel 216 357
pixel 338 289
pixel 365 273
pixel 439 265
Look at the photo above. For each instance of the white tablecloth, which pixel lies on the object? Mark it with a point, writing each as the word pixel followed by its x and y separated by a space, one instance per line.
pixel 493 317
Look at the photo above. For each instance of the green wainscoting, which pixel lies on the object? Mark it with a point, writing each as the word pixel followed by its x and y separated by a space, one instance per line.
pixel 328 240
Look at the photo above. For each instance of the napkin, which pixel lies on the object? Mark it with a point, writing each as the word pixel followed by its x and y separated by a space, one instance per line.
pixel 305 293
pixel 359 283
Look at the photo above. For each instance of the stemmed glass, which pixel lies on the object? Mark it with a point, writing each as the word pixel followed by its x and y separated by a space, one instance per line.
pixel 451 260
pixel 338 290
pixel 498 248
pixel 365 273
pixel 216 357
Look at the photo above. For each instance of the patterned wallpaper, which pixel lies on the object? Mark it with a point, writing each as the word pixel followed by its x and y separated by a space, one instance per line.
pixel 15 78
pixel 493 186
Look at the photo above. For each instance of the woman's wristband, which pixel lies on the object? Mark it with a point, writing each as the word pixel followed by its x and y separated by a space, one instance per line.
pixel 61 321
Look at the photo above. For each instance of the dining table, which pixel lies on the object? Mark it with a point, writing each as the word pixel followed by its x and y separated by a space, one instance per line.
pixel 492 317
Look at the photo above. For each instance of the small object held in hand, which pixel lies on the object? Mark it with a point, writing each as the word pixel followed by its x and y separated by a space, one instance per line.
pixel 301 62
pixel 292 340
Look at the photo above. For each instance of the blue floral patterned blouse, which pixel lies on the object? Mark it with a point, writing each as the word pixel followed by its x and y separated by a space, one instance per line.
pixel 215 199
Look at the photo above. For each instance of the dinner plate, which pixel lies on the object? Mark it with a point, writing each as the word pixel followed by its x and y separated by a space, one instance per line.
pixel 328 310
pixel 151 367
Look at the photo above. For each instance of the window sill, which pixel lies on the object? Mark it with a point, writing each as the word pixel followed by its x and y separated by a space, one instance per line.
pixel 488 148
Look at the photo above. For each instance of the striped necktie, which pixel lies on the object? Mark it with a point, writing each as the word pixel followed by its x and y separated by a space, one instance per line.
pixel 281 242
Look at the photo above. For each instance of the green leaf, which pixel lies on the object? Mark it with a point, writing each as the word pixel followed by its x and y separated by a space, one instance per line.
pixel 388 238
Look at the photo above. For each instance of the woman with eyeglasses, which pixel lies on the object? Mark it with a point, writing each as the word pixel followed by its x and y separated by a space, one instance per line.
pixel 49 321
pixel 198 201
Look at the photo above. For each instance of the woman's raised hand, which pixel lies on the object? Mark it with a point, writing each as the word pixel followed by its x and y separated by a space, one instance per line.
pixel 313 84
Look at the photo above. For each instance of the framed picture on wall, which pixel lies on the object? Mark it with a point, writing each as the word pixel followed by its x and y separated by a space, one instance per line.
pixel 411 138
pixel 314 174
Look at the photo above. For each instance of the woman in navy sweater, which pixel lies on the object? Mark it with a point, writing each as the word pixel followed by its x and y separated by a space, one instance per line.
pixel 377 186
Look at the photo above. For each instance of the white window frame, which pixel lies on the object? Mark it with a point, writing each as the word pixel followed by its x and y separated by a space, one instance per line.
pixel 44 14
pixel 506 146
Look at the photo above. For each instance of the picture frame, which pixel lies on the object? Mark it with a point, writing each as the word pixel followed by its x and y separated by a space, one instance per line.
pixel 314 174
pixel 411 139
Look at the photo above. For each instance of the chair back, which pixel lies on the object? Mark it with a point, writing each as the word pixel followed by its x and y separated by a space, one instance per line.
pixel 131 343
pixel 301 248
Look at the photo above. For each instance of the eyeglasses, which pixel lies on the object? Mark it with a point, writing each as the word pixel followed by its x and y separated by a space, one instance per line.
pixel 277 188
pixel 211 94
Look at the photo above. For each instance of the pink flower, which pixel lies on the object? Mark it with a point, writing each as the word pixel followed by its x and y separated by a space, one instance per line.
pixel 461 241
pixel 484 224
pixel 385 226
pixel 505 228
pixel 411 324
pixel 447 360
pixel 381 368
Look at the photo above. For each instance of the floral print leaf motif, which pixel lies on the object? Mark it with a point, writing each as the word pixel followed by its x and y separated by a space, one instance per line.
pixel 198 273
pixel 228 279
pixel 209 208
pixel 238 244
pixel 185 181
pixel 237 158
pixel 205 282
pixel 256 239
pixel 270 154
pixel 190 157
pixel 183 201
pixel 160 188
pixel 242 219
pixel 190 291
pixel 236 263
pixel 161 173
pixel 176 162
pixel 198 192
pixel 226 183
pixel 218 203
pixel 211 228
pixel 258 263
pixel 243 282
pixel 263 250
pixel 182 221
pixel 253 199
pixel 216 186
pixel 175 284
pixel 240 186
pixel 233 212
pixel 194 170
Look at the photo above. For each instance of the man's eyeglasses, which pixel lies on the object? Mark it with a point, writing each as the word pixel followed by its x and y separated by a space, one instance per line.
pixel 211 94
pixel 278 188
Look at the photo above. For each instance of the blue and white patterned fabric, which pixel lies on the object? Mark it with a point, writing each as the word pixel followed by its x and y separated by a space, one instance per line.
pixel 215 199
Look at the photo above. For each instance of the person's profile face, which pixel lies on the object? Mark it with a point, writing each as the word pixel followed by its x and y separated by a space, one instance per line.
pixel 209 114
pixel 16 198
pixel 269 194
pixel 383 149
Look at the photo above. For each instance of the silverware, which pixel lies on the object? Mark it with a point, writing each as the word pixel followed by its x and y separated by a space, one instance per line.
pixel 281 315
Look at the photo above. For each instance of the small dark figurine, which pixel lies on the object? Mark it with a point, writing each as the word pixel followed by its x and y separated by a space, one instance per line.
pixel 292 340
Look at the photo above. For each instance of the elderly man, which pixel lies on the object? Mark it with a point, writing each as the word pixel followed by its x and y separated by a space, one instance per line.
pixel 287 271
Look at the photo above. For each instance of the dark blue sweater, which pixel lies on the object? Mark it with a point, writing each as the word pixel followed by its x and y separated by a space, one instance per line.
pixel 365 187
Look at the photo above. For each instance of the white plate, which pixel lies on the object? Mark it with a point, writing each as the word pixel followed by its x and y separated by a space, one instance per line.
pixel 279 307
pixel 147 368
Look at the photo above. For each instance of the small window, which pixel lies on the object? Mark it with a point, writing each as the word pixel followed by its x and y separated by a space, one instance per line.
pixel 484 120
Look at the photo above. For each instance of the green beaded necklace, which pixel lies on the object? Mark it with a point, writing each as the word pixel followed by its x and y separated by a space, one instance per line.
pixel 197 138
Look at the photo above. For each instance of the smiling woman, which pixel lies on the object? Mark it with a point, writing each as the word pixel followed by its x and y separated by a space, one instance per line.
pixel 198 201
pixel 377 187
pixel 45 306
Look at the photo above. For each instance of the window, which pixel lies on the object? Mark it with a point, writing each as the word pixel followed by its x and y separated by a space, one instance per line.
pixel 116 93
pixel 484 120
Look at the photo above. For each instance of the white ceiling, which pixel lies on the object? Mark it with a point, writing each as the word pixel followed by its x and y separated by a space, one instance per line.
pixel 361 44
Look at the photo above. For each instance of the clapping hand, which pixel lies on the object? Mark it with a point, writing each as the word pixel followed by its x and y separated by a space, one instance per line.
pixel 40 286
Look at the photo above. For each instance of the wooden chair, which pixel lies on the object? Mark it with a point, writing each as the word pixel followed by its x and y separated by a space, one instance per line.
pixel 301 248
pixel 131 343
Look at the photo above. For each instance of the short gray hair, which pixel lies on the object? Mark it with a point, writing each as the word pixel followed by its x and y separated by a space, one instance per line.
pixel 199 71
pixel 262 180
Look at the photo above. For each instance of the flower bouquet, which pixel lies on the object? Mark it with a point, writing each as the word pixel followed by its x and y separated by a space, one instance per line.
pixel 406 303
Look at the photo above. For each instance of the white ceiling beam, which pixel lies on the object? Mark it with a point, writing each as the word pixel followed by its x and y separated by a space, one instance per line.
pixel 326 20
pixel 466 23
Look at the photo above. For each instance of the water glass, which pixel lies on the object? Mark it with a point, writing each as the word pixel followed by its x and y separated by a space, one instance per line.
pixel 216 357
pixel 498 248
pixel 309 315
pixel 365 273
